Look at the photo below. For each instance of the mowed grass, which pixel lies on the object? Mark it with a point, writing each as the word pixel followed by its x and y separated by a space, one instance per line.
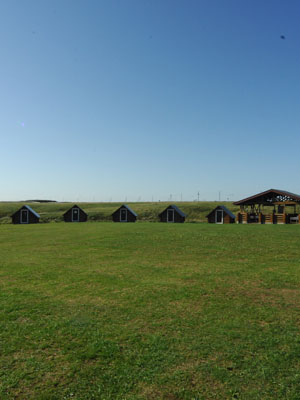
pixel 149 311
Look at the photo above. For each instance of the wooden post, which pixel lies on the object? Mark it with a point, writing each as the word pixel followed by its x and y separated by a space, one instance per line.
pixel 284 218
pixel 259 218
pixel 272 218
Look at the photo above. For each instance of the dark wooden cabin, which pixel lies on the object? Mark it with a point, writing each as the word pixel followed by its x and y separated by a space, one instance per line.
pixel 75 214
pixel 270 207
pixel 124 214
pixel 172 214
pixel 25 215
pixel 220 215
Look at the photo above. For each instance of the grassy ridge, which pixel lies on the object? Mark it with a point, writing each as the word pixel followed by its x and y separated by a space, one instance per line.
pixel 149 311
pixel 195 211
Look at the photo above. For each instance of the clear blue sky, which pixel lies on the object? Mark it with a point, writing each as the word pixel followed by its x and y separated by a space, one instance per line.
pixel 143 99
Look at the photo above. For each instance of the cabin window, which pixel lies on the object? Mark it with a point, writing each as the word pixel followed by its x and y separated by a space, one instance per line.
pixel 24 216
pixel 75 215
pixel 170 215
pixel 123 215
pixel 219 217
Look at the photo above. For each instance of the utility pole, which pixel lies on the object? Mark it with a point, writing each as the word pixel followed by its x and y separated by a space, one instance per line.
pixel 198 196
pixel 219 195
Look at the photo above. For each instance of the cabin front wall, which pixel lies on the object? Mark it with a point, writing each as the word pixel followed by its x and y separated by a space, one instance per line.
pixel 211 219
pixel 32 219
pixel 226 218
pixel 68 216
pixel 177 217
pixel 116 217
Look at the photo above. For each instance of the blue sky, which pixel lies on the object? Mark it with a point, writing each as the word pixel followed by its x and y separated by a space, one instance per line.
pixel 149 99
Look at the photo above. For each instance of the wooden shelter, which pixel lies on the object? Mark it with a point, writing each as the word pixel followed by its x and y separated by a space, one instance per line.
pixel 221 215
pixel 172 214
pixel 270 207
pixel 124 214
pixel 25 215
pixel 75 214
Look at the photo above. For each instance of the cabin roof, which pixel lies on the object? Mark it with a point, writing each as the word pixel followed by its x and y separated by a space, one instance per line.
pixel 29 209
pixel 176 209
pixel 75 206
pixel 128 208
pixel 269 196
pixel 225 209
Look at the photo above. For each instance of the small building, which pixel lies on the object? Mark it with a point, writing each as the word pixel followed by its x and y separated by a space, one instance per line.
pixel 172 214
pixel 75 214
pixel 25 215
pixel 220 215
pixel 273 206
pixel 124 214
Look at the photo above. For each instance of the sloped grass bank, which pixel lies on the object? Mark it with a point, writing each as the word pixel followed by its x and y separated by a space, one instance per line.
pixel 53 212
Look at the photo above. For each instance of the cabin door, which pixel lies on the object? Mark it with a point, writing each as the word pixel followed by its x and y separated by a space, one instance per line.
pixel 170 215
pixel 123 215
pixel 75 215
pixel 24 217
pixel 219 217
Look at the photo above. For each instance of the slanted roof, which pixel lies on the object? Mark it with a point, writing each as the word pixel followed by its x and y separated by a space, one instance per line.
pixel 270 196
pixel 176 209
pixel 225 209
pixel 75 206
pixel 128 208
pixel 29 209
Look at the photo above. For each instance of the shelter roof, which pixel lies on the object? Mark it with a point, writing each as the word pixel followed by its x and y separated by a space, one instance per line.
pixel 270 196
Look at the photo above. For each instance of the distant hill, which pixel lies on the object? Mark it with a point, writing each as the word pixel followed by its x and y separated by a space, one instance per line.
pixel 40 201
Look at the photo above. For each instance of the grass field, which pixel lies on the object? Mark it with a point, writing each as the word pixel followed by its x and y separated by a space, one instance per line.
pixel 149 311
pixel 53 212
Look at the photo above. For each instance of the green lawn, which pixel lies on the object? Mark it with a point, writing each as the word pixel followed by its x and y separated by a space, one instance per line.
pixel 149 311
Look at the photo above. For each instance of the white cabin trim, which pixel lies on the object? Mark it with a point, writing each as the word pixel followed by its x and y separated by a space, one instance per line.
pixel 126 214
pixel 216 216
pixel 21 216
pixel 171 211
pixel 78 219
